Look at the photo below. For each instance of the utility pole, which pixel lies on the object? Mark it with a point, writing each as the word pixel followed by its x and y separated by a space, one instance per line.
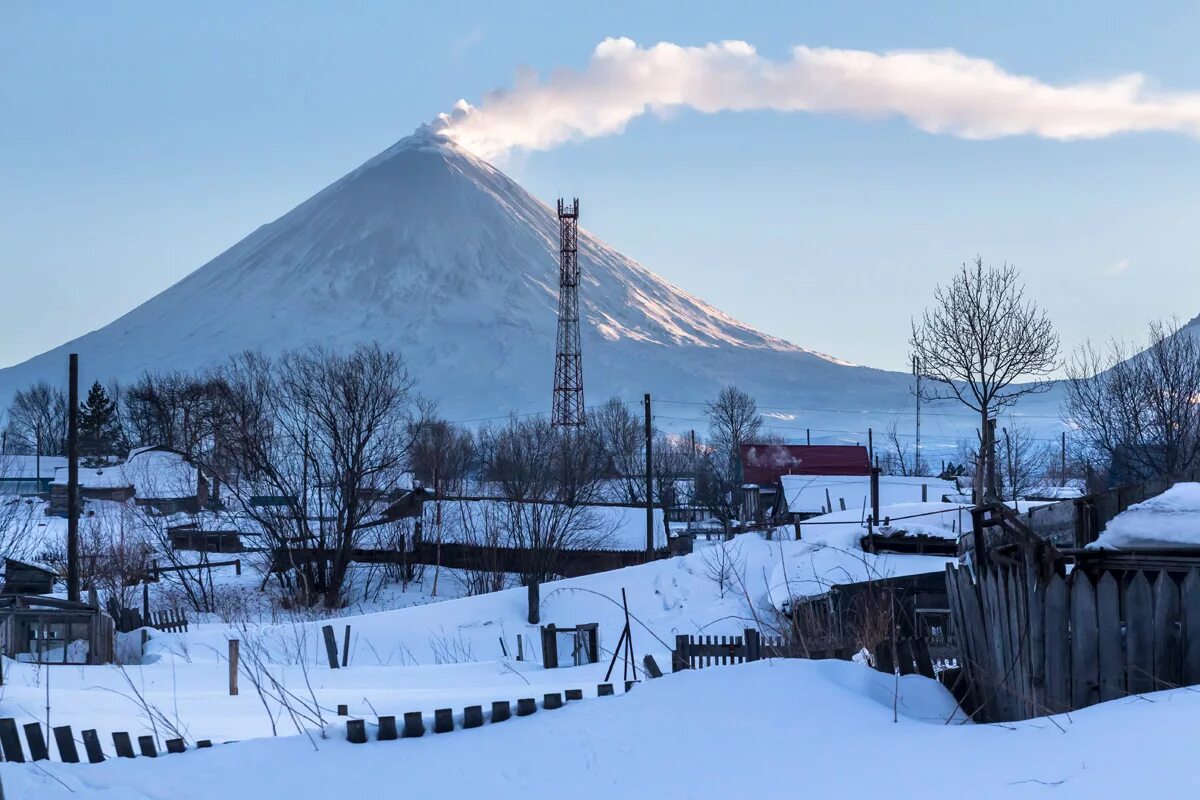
pixel 916 362
pixel 871 446
pixel 73 478
pixel 649 481
pixel 37 433
pixel 1063 478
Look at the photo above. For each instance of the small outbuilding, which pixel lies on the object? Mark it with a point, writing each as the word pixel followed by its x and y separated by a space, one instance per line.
pixel 24 577
pixel 46 630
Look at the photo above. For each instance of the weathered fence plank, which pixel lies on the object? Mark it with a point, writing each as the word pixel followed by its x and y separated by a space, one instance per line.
pixel 1168 670
pixel 1035 621
pixel 1018 639
pixel 1139 635
pixel 10 740
pixel 38 751
pixel 65 740
pixel 123 744
pixel 1058 655
pixel 1085 647
pixel 1190 607
pixel 1112 657
pixel 91 743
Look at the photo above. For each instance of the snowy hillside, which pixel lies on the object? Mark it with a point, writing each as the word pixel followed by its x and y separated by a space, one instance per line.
pixel 434 252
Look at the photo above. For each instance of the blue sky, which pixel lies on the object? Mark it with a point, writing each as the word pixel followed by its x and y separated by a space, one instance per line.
pixel 138 140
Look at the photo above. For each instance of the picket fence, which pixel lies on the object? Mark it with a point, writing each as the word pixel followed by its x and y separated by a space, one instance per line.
pixel 1033 641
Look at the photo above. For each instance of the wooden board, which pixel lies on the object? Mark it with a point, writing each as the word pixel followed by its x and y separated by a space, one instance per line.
pixel 1168 670
pixel 1058 657
pixel 1112 656
pixel 1139 635
pixel 1190 611
pixel 1085 662
pixel 1035 621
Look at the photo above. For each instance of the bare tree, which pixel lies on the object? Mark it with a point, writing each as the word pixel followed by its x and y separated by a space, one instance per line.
pixel 327 435
pixel 622 436
pixel 733 420
pixel 38 414
pixel 671 459
pixel 1136 413
pixel 1023 461
pixel 899 458
pixel 981 336
pixel 549 480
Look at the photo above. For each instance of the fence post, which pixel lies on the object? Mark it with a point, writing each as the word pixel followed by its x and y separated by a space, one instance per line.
pixel 753 644
pixel 10 740
pixel 535 603
pixel 147 746
pixel 526 706
pixel 37 742
pixel 356 731
pixel 91 743
pixel 387 729
pixel 680 658
pixel 414 724
pixel 233 667
pixel 549 647
pixel 346 648
pixel 122 744
pixel 501 710
pixel 330 646
pixel 65 741
pixel 472 716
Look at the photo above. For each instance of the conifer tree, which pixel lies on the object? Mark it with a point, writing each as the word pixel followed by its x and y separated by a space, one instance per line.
pixel 99 428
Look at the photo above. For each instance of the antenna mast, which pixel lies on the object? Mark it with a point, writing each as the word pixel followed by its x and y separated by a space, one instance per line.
pixel 568 358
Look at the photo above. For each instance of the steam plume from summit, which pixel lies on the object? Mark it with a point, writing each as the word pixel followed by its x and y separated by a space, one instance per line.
pixel 939 91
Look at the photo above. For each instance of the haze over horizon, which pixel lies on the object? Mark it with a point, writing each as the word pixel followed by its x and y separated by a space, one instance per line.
pixel 808 226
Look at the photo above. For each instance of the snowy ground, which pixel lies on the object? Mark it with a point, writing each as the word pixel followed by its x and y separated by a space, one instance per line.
pixel 773 729
pixel 778 729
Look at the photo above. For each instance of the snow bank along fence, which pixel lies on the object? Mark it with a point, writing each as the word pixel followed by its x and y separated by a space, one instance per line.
pixel 412 724
pixel 68 746
pixel 1034 640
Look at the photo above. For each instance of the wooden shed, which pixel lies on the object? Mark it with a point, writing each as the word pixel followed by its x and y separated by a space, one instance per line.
pixel 46 630
pixel 21 577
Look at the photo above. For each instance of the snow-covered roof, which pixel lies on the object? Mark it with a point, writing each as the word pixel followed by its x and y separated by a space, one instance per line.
pixel 14 467
pixel 1171 519
pixel 806 494
pixel 154 473
pixel 1055 492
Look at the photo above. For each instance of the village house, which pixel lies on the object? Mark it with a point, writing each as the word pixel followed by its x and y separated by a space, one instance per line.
pixel 27 475
pixel 764 464
pixel 159 477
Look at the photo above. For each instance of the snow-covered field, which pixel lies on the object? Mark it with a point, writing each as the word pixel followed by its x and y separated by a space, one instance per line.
pixel 778 729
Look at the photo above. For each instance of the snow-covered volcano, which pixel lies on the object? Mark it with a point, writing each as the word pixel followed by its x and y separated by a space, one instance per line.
pixel 439 255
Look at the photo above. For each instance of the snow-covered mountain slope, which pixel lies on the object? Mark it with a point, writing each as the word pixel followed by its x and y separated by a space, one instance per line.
pixel 433 252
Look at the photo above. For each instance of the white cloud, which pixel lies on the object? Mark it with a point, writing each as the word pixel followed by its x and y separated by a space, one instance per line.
pixel 939 91
pixel 1118 268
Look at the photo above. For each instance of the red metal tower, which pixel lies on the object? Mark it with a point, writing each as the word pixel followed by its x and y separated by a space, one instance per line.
pixel 568 359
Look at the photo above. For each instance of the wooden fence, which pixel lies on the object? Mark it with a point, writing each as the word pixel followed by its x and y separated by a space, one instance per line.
pixel 169 621
pixel 68 746
pixel 1034 641
pixel 696 652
